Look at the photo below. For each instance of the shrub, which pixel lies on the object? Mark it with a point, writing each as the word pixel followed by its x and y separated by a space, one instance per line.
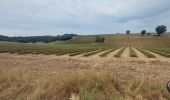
pixel 128 32
pixel 143 32
pixel 99 39
pixel 118 54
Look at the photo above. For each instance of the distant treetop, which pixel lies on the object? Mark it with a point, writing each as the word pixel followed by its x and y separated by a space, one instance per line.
pixel 143 32
pixel 128 32
pixel 161 29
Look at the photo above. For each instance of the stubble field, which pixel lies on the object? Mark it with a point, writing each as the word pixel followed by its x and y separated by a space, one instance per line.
pixel 123 68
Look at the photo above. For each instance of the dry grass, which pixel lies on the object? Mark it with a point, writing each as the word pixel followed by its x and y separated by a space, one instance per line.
pixel 50 77
pixel 42 77
pixel 88 86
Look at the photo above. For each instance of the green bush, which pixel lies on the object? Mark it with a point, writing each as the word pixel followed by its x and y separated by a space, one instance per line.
pixel 99 39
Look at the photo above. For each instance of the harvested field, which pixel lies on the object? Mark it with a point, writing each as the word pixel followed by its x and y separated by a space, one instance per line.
pixel 130 68
pixel 52 77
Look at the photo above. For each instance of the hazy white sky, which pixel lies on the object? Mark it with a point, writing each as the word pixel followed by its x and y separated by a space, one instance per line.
pixel 53 17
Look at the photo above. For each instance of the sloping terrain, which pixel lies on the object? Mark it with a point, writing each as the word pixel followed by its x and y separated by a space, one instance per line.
pixel 124 67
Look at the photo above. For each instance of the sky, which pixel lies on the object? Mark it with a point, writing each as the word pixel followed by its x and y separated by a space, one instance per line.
pixel 56 17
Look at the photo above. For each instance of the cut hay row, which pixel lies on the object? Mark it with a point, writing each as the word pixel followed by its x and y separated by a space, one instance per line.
pixel 47 49
pixel 166 50
pixel 106 53
pixel 77 53
pixel 118 54
pixel 161 44
pixel 146 53
pixel 160 53
pixel 93 53
pixel 137 44
pixel 81 52
pixel 140 44
pixel 132 52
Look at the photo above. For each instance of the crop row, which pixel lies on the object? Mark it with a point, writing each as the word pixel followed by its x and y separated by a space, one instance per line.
pixel 132 52
pixel 93 53
pixel 81 52
pixel 118 54
pixel 106 53
pixel 166 50
pixel 160 53
pixel 47 49
pixel 146 53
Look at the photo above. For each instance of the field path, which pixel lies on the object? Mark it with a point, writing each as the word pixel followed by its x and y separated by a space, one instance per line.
pixel 126 53
pixel 139 54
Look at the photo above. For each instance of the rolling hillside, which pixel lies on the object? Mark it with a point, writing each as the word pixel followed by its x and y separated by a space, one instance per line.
pixel 124 67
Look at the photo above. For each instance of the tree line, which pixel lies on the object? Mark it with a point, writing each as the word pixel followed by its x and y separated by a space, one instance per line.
pixel 34 39
pixel 159 30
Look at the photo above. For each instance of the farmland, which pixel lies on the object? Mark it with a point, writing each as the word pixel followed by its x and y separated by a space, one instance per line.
pixel 124 67
pixel 85 45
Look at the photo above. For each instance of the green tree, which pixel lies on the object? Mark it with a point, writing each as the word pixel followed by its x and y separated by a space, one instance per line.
pixel 143 32
pixel 102 39
pixel 99 39
pixel 161 29
pixel 128 32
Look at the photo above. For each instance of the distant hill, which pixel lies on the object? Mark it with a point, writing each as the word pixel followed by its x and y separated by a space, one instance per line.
pixel 67 38
pixel 34 39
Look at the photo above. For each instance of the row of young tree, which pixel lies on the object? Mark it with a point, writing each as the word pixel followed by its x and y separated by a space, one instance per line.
pixel 159 30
